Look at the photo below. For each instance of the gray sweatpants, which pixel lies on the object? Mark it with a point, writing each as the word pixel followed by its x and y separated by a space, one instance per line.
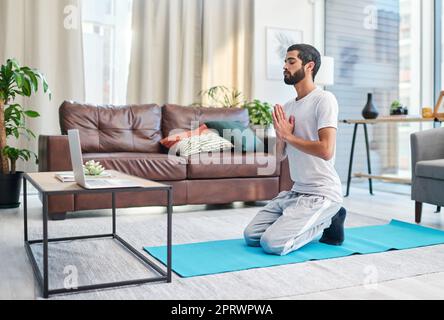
pixel 290 221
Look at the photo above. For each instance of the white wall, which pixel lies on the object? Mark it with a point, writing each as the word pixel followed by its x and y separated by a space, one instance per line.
pixel 287 14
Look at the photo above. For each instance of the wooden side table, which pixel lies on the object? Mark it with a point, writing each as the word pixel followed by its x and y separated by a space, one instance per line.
pixel 364 122
pixel 48 185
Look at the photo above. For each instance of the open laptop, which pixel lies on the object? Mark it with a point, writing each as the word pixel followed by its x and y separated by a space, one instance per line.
pixel 79 175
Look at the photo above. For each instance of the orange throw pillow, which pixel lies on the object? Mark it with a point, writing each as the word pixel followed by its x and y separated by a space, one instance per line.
pixel 170 141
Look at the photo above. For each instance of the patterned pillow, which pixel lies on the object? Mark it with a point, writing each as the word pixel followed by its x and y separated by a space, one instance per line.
pixel 206 142
pixel 170 141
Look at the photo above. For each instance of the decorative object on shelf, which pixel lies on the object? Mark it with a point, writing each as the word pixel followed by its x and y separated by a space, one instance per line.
pixel 406 111
pixel 370 110
pixel 92 168
pixel 439 104
pixel 15 81
pixel 397 108
pixel 427 112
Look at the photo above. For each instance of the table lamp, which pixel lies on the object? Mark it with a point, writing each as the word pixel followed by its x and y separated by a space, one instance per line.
pixel 326 74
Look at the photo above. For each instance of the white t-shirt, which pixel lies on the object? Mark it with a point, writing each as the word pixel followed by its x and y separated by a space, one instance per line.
pixel 313 175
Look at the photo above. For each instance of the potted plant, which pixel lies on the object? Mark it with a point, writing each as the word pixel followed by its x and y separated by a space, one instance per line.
pixel 261 118
pixel 396 108
pixel 15 81
pixel 222 97
pixel 261 113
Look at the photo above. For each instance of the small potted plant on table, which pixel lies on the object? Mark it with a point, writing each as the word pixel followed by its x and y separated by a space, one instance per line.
pixel 397 109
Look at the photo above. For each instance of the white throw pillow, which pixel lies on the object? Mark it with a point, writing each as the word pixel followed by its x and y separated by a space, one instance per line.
pixel 207 142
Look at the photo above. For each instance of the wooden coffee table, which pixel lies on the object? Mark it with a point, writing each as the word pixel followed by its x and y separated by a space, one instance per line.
pixel 48 185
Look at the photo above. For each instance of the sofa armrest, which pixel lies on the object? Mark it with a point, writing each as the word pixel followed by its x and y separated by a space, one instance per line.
pixel 426 145
pixel 54 154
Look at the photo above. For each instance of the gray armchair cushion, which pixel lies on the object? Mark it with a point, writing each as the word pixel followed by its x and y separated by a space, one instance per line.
pixel 427 145
pixel 433 169
pixel 428 166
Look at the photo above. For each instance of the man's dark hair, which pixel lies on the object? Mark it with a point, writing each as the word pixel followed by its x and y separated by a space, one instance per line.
pixel 308 53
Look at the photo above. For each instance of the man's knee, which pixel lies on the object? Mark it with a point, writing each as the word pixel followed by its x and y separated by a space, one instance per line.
pixel 270 244
pixel 249 236
pixel 273 245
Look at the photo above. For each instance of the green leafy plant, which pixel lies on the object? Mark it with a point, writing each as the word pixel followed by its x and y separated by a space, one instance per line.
pixel 397 108
pixel 261 113
pixel 92 168
pixel 16 80
pixel 223 97
pixel 395 105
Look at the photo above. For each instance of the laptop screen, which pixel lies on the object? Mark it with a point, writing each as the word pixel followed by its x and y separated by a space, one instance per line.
pixel 76 156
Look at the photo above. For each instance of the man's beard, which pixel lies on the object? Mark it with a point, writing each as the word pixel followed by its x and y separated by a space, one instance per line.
pixel 294 79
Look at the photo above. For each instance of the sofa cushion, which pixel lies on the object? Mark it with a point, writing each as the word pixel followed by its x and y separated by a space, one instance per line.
pixel 232 165
pixel 173 139
pixel 212 191
pixel 433 169
pixel 179 118
pixel 133 128
pixel 242 137
pixel 152 166
pixel 206 142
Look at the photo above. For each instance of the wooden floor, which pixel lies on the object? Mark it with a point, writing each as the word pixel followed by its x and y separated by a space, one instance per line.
pixel 17 281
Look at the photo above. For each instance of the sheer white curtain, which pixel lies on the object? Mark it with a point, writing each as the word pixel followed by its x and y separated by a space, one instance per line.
pixel 166 57
pixel 228 36
pixel 47 35
pixel 181 47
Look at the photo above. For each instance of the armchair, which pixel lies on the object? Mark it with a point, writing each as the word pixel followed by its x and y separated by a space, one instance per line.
pixel 427 149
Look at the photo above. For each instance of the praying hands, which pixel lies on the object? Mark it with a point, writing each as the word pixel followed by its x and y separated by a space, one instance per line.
pixel 284 128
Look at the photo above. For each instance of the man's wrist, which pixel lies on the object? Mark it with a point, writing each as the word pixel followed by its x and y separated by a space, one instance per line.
pixel 287 137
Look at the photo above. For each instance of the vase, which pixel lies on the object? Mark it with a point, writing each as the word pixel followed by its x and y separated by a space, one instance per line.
pixel 370 110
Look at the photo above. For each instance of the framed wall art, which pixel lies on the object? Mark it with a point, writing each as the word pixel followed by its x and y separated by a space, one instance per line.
pixel 278 41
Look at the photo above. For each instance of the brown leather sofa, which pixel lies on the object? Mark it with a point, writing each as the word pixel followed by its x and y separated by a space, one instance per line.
pixel 126 138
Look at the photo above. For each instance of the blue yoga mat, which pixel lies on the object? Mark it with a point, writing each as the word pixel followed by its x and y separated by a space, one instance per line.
pixel 198 259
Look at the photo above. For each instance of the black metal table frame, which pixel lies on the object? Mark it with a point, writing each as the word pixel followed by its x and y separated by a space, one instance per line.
pixel 350 165
pixel 367 147
pixel 43 278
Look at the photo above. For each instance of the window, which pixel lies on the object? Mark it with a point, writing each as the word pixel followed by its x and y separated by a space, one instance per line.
pixel 376 46
pixel 107 49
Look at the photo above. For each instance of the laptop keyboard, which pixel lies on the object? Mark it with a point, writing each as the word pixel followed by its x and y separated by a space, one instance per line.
pixel 99 183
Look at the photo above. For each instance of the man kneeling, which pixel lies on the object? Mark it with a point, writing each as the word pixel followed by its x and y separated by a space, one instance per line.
pixel 308 126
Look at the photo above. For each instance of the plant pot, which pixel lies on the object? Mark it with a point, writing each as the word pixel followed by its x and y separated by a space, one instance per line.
pixel 10 186
pixel 399 111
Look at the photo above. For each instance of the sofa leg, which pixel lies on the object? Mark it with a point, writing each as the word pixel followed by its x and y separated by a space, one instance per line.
pixel 418 211
pixel 438 209
pixel 58 216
